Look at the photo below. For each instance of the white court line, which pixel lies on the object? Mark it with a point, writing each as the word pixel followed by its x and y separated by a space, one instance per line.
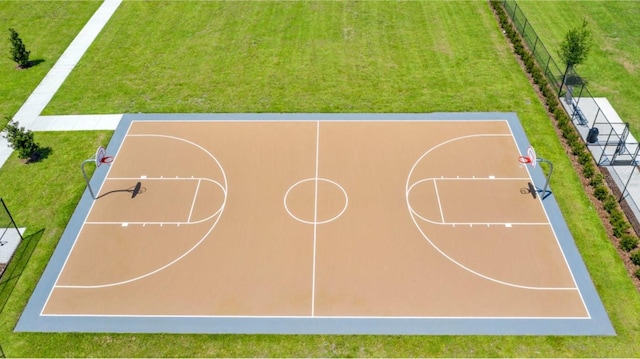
pixel 555 235
pixel 443 253
pixel 186 179
pixel 202 239
pixel 488 224
pixel 193 203
pixel 86 215
pixel 308 316
pixel 315 223
pixel 435 185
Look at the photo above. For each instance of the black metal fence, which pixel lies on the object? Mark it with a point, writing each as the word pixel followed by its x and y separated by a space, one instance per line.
pixel 549 67
pixel 7 224
pixel 610 142
pixel 608 138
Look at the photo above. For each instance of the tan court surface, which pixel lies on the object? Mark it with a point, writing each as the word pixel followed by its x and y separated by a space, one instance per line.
pixel 307 218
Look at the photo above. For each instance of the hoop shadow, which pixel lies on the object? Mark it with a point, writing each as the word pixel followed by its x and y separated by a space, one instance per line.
pixel 531 189
pixel 134 190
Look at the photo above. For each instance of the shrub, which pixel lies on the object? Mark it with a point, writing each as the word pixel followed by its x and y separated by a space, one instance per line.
pixel 22 141
pixel 635 257
pixel 619 223
pixel 561 116
pixel 588 170
pixel 584 157
pixel 637 273
pixel 610 203
pixel 19 53
pixel 628 242
pixel 601 192
pixel 576 146
pixel 620 229
pixel 596 180
pixel 570 135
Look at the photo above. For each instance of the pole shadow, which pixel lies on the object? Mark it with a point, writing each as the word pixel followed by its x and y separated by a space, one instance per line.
pixel 134 190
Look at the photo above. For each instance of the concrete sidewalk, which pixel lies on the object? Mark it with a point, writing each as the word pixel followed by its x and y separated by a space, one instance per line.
pixel 39 99
pixel 28 115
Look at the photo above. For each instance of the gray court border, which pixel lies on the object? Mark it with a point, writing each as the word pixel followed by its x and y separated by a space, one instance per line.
pixel 597 324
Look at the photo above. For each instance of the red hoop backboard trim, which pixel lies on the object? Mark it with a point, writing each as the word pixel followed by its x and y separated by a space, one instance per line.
pixel 107 159
pixel 524 159
pixel 530 158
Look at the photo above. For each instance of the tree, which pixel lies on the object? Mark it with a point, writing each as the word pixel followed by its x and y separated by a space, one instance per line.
pixel 19 53
pixel 575 47
pixel 21 140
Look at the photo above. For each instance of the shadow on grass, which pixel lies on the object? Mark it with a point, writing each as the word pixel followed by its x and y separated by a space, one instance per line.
pixel 30 64
pixel 16 265
pixel 41 154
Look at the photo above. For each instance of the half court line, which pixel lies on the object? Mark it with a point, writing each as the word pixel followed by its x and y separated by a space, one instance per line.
pixel 315 223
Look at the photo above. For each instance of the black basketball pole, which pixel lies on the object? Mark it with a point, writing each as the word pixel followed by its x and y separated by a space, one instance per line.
pixel 86 178
pixel 545 191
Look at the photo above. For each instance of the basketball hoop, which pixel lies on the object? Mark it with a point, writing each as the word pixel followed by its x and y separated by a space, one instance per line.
pixel 524 159
pixel 101 157
pixel 106 159
pixel 530 158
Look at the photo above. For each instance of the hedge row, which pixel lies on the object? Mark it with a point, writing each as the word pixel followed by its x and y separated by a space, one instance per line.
pixel 628 242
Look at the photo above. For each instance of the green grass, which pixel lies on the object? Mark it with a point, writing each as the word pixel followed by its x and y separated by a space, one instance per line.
pixel 300 57
pixel 612 68
pixel 46 29
pixel 295 57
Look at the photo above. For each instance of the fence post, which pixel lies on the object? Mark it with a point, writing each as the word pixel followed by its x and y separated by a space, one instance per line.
pixel 11 218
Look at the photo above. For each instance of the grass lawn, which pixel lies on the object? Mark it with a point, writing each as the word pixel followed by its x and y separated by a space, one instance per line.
pixel 295 57
pixel 46 28
pixel 300 57
pixel 612 68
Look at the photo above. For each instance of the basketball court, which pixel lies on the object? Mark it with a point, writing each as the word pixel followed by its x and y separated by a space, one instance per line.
pixel 317 223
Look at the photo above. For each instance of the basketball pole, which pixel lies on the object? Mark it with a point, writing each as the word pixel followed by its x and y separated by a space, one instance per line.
pixel 545 192
pixel 86 178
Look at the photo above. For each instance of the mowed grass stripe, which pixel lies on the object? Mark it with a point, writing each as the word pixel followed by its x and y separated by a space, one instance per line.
pixel 612 68
pixel 295 57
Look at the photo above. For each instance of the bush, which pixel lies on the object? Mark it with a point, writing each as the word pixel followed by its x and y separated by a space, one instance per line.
pixel 584 157
pixel 637 273
pixel 19 53
pixel 635 257
pixel 576 146
pixel 619 223
pixel 601 192
pixel 588 171
pixel 596 180
pixel 21 140
pixel 561 116
pixel 610 203
pixel 621 228
pixel 628 242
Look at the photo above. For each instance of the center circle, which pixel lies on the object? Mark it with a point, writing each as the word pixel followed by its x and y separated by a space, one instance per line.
pixel 316 200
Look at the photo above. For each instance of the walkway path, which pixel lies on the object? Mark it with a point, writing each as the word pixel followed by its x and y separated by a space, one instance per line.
pixel 29 114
